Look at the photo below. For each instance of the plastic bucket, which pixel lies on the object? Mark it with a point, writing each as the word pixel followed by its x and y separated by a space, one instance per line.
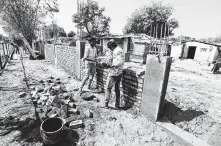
pixel 51 130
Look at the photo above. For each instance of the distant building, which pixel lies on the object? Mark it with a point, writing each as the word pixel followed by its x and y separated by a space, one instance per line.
pixel 197 50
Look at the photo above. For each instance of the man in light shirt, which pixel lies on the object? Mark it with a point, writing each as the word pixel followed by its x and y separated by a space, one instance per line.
pixel 115 72
pixel 90 53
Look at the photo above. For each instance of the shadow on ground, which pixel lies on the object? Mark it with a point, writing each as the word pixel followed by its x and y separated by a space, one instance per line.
pixel 176 114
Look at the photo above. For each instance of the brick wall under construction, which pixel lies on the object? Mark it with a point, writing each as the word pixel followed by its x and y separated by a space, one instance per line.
pixel 146 92
pixel 62 56
pixel 66 58
pixel 131 86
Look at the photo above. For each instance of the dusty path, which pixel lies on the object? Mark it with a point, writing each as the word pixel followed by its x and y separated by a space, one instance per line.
pixel 107 128
pixel 194 96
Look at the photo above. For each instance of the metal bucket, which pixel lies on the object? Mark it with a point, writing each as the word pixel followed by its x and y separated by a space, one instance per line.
pixel 51 130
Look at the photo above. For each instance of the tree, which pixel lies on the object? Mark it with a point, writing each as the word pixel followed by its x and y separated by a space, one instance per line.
pixel 92 19
pixel 54 31
pixel 1 37
pixel 212 39
pixel 71 34
pixel 25 16
pixel 146 18
pixel 62 33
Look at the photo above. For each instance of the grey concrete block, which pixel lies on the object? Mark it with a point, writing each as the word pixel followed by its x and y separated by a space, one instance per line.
pixel 155 84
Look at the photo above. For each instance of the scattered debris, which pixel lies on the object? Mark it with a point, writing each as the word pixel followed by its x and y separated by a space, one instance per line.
pixel 72 105
pixel 70 119
pixel 112 118
pixel 96 99
pixel 76 89
pixel 22 94
pixel 76 124
pixel 53 111
pixel 73 111
pixel 88 113
pixel 87 96
pixel 52 99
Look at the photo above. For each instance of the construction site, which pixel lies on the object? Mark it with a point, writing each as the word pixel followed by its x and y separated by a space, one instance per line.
pixel 169 91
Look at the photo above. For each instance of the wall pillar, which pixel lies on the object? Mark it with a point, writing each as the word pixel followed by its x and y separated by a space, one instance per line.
pixel 155 86
pixel 55 54
pixel 78 60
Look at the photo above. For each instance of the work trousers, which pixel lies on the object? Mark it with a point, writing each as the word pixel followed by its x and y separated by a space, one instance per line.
pixel 90 71
pixel 113 81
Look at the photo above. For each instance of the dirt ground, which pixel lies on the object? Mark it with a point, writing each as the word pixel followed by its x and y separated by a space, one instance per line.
pixel 193 100
pixel 108 127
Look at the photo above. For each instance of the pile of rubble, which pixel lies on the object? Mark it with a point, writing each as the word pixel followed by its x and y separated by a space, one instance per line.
pixel 51 99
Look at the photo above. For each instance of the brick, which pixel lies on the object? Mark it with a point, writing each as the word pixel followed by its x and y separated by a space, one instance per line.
pixel 73 111
pixel 76 124
pixel 64 111
pixel 70 119
pixel 22 94
pixel 53 111
pixel 72 105
pixel 88 113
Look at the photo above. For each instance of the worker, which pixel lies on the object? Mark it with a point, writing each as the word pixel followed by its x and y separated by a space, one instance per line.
pixel 217 65
pixel 115 72
pixel 90 66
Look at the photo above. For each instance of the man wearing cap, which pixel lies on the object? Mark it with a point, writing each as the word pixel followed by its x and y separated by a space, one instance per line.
pixel 115 72
pixel 90 53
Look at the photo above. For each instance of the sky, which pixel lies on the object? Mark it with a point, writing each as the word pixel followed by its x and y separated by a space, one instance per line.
pixel 197 18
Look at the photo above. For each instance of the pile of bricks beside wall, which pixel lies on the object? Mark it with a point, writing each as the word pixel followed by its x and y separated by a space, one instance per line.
pixel 50 53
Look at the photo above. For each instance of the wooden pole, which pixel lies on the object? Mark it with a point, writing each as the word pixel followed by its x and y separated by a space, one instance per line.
pixel 3 48
pixel 161 32
pixel 0 60
pixel 6 48
pixel 165 30
pixel 168 33
pixel 157 30
pixel 151 27
pixel 168 39
pixel 153 37
pixel 161 35
pixel 28 46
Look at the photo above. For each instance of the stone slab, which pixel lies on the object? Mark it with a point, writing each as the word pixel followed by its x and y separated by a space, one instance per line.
pixel 155 84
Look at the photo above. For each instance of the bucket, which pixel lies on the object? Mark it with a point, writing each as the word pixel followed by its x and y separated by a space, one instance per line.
pixel 51 130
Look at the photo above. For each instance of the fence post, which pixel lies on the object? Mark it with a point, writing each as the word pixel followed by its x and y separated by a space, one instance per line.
pixel 155 86
pixel 55 54
pixel 78 59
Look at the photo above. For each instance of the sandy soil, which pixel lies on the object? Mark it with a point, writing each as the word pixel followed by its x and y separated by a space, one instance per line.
pixel 108 127
pixel 193 97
